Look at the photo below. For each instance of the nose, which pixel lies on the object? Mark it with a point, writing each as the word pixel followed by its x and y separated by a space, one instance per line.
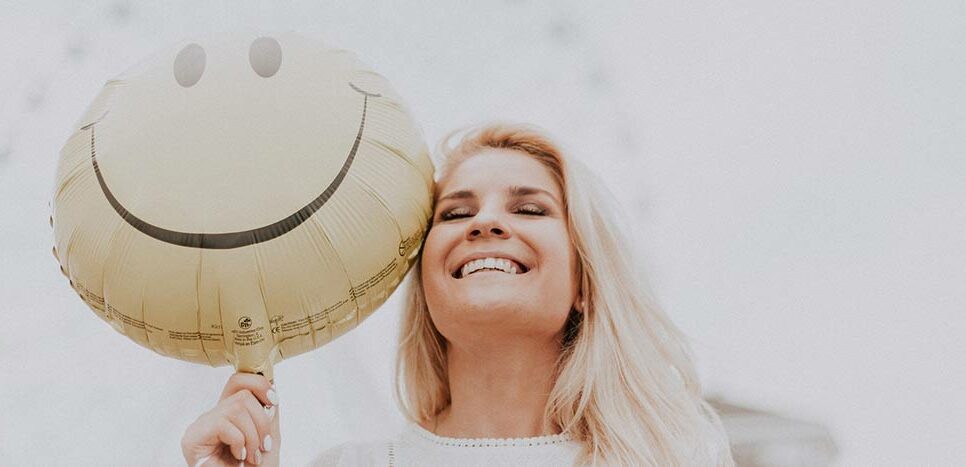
pixel 485 225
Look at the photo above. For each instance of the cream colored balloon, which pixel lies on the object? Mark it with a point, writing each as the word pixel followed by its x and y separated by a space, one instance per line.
pixel 241 199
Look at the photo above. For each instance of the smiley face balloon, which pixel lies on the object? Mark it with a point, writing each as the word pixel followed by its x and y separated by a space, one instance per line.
pixel 241 199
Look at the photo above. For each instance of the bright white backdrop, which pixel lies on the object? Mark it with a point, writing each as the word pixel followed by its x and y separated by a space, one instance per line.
pixel 795 175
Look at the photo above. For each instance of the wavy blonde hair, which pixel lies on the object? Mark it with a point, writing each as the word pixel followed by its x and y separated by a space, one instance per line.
pixel 625 383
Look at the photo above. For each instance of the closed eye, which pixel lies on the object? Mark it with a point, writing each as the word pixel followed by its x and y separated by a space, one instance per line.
pixel 455 213
pixel 532 210
pixel 461 212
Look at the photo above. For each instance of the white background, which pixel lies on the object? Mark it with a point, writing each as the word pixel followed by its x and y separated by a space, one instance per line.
pixel 794 174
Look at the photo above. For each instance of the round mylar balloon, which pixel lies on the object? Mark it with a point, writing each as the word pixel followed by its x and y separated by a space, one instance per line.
pixel 241 199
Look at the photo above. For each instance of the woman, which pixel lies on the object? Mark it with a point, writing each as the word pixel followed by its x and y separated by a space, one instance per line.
pixel 526 338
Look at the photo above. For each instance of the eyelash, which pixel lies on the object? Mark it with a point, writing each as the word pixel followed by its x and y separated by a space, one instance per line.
pixel 526 209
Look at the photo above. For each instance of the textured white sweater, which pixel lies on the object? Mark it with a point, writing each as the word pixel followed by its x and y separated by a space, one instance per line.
pixel 415 446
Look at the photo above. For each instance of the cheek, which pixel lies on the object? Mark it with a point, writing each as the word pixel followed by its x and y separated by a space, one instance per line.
pixel 432 260
pixel 565 275
pixel 432 249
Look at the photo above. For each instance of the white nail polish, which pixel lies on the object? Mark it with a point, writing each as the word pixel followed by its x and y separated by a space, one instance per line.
pixel 267 443
pixel 272 396
pixel 270 411
pixel 244 454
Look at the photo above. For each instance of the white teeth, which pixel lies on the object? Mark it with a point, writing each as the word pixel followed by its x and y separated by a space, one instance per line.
pixel 500 264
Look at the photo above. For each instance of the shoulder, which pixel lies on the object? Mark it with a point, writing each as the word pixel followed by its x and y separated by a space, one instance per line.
pixel 353 454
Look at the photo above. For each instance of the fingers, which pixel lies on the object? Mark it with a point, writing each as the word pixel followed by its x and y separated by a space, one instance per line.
pixel 244 425
pixel 257 384
pixel 272 457
pixel 213 440
pixel 265 423
pixel 230 435
pixel 248 415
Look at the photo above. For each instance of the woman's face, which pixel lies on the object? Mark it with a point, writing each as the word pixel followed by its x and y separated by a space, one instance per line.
pixel 505 205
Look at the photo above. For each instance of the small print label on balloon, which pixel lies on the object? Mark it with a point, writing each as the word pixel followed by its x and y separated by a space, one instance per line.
pixel 251 336
pixel 407 244
pixel 360 290
pixel 194 336
pixel 275 322
pixel 116 315
pixel 321 318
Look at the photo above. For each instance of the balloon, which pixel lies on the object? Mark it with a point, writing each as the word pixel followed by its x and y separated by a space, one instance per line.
pixel 241 199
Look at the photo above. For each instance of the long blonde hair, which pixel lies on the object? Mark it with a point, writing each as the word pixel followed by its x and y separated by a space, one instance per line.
pixel 625 383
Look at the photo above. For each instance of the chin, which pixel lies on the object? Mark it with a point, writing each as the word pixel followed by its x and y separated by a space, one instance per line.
pixel 487 307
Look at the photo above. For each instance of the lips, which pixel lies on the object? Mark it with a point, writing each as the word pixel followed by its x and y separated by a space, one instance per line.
pixel 518 265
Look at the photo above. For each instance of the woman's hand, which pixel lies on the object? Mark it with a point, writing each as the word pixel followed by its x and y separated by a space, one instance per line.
pixel 242 426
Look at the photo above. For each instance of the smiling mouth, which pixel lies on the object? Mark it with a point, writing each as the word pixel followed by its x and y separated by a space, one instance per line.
pixel 228 240
pixel 516 269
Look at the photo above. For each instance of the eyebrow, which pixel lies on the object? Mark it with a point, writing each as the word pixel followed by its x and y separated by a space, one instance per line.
pixel 513 191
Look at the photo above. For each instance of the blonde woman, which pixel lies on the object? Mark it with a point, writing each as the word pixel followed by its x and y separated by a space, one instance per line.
pixel 526 339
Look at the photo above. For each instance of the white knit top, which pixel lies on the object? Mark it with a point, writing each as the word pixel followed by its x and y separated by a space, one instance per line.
pixel 415 446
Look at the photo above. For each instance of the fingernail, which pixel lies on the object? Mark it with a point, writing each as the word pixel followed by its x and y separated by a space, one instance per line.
pixel 272 396
pixel 270 411
pixel 244 454
pixel 267 443
pixel 258 458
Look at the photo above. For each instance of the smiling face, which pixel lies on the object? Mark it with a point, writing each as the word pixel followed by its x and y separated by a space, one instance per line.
pixel 241 199
pixel 231 120
pixel 501 204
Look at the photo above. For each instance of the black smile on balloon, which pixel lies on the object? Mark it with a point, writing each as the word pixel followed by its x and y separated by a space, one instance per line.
pixel 228 240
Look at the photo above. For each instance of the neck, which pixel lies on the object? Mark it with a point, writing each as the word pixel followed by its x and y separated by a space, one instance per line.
pixel 498 389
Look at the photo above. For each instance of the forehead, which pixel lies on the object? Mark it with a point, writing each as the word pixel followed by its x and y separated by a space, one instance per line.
pixel 497 167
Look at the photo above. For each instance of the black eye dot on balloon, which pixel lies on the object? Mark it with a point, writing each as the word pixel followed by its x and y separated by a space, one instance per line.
pixel 189 65
pixel 265 56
